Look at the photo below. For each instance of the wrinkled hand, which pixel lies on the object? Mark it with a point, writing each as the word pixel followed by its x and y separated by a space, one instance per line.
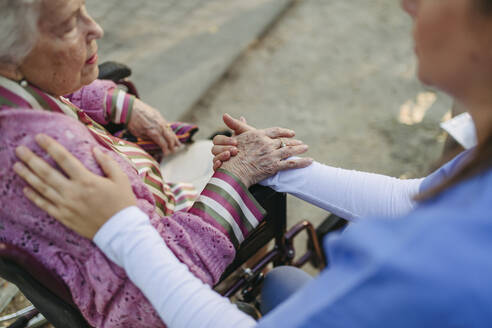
pixel 225 147
pixel 254 155
pixel 84 201
pixel 148 124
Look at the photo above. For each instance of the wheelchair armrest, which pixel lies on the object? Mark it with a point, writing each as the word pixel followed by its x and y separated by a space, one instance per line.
pixel 272 227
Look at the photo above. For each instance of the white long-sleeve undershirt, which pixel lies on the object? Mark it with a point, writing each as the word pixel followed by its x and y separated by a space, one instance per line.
pixel 180 299
pixel 346 193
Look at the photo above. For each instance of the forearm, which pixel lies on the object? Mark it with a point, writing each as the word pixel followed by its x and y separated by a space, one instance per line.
pixel 349 194
pixel 227 204
pixel 206 237
pixel 178 296
pixel 229 213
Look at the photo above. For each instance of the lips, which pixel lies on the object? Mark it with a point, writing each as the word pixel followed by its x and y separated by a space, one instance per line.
pixel 92 60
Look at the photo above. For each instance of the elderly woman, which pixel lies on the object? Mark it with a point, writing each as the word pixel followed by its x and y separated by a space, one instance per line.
pixel 423 263
pixel 48 50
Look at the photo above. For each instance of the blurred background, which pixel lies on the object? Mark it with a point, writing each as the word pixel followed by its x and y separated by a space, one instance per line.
pixel 340 73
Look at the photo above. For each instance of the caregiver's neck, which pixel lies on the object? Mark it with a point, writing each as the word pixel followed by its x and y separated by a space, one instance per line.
pixel 478 102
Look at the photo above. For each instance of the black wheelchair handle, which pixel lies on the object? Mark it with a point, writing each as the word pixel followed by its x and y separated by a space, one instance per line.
pixel 114 71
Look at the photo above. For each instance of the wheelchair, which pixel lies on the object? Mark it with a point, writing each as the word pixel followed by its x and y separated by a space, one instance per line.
pixel 51 298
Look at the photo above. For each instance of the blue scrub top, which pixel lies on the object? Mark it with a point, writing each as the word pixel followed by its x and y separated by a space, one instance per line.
pixel 431 268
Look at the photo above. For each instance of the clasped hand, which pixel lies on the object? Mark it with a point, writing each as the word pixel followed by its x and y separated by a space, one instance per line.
pixel 254 155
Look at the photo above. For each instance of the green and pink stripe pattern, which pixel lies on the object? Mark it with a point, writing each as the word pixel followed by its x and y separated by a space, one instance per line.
pixel 227 204
pixel 118 106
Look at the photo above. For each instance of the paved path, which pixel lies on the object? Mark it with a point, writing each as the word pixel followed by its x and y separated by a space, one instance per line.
pixel 342 74
pixel 178 48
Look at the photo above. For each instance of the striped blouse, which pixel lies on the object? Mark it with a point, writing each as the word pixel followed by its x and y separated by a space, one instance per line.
pixel 225 200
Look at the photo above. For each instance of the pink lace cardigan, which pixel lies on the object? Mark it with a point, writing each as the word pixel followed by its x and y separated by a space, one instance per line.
pixel 100 289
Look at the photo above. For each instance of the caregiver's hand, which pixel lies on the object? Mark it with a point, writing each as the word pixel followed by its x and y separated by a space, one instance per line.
pixel 148 124
pixel 83 201
pixel 260 153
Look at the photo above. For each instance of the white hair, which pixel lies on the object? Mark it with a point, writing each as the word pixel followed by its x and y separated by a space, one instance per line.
pixel 18 29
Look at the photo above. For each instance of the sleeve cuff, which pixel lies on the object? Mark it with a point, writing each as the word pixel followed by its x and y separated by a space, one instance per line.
pixel 227 204
pixel 119 106
pixel 184 131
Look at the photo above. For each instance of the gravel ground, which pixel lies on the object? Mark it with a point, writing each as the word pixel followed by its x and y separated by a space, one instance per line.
pixel 342 74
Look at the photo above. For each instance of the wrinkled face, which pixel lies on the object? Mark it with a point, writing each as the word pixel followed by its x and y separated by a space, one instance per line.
pixel 65 56
pixel 453 43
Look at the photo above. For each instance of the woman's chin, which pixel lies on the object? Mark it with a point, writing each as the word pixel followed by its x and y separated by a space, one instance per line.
pixel 90 76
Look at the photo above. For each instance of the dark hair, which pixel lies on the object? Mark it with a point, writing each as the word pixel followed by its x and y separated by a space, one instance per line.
pixel 481 160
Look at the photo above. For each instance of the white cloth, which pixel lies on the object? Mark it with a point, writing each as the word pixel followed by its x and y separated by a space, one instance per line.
pixel 193 164
pixel 348 194
pixel 180 299
pixel 462 129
